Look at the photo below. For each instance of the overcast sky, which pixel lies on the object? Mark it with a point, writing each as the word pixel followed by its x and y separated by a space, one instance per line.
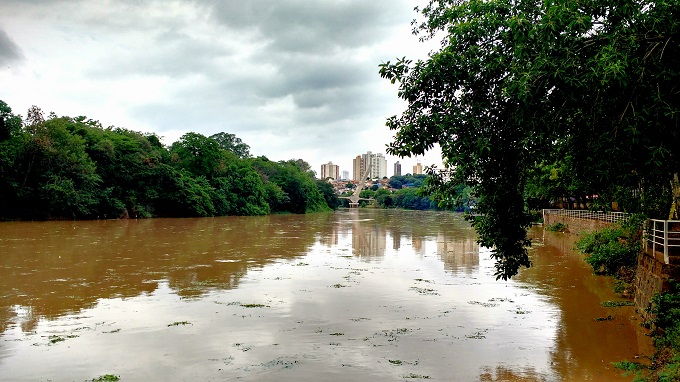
pixel 293 79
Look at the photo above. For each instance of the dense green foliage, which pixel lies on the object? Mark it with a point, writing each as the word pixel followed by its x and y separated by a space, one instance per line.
pixel 73 168
pixel 666 333
pixel 408 180
pixel 523 93
pixel 609 249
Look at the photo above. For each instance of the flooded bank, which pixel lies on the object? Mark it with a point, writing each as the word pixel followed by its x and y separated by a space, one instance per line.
pixel 354 295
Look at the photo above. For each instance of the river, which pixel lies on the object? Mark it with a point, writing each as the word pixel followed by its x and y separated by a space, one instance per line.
pixel 355 295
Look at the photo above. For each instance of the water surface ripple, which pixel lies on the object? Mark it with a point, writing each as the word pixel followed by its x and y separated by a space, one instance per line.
pixel 361 295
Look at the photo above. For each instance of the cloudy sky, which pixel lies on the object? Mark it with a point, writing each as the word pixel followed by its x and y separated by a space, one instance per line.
pixel 292 78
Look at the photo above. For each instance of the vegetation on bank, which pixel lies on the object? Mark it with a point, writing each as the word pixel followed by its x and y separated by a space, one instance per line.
pixel 613 251
pixel 74 168
pixel 665 329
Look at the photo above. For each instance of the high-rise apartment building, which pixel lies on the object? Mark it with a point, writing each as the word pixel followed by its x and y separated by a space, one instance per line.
pixel 418 169
pixel 330 170
pixel 357 168
pixel 397 169
pixel 378 165
pixel 345 175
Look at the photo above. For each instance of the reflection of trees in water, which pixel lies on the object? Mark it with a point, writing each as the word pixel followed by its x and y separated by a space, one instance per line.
pixel 53 268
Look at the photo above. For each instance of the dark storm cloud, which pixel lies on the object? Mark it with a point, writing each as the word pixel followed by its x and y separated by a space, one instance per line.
pixel 9 51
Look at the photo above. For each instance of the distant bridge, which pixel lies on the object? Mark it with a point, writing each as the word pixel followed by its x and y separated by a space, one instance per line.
pixel 354 198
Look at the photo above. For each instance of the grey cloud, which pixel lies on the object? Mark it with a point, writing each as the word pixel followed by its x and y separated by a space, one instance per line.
pixel 9 51
pixel 304 26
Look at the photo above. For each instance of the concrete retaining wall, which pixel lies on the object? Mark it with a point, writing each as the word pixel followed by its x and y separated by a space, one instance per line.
pixel 575 225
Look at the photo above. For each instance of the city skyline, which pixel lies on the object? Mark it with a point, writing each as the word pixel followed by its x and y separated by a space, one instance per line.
pixel 345 174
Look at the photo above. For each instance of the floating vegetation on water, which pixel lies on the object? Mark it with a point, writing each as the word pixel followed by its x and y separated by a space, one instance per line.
pixel 113 331
pixel 242 347
pixel 55 339
pixel 255 306
pixel 395 362
pixel 392 334
pixel 338 286
pixel 425 291
pixel 359 319
pixel 284 363
pixel 616 304
pixel 501 299
pixel 106 378
pixel 520 311
pixel 416 376
pixel 476 336
pixel 337 334
pixel 608 318
pixel 425 281
pixel 301 264
pixel 178 323
pixel 484 304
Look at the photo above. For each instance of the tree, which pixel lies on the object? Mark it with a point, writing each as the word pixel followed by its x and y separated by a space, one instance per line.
pixel 295 190
pixel 231 142
pixel 198 154
pixel 328 193
pixel 515 83
pixel 10 124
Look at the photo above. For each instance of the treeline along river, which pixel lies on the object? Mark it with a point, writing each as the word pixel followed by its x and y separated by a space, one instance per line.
pixel 361 294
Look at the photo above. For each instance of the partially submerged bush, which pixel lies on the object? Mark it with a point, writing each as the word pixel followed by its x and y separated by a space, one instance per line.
pixel 609 249
pixel 557 227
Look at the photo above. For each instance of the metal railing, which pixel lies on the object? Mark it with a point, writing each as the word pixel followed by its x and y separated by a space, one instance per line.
pixel 663 236
pixel 611 217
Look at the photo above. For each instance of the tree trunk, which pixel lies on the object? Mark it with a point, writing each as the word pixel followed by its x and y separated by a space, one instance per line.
pixel 675 204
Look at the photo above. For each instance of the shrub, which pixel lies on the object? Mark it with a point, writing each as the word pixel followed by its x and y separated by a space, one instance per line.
pixel 610 249
pixel 557 227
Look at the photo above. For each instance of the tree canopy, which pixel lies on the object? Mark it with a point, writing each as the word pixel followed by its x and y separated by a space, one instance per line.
pixel 587 88
pixel 73 168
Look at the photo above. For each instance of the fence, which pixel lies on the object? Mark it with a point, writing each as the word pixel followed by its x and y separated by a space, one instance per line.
pixel 662 237
pixel 610 217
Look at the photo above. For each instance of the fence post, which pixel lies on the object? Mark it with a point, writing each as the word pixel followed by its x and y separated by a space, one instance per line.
pixel 665 242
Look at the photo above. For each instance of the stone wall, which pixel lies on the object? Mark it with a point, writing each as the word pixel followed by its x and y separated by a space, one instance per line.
pixel 651 278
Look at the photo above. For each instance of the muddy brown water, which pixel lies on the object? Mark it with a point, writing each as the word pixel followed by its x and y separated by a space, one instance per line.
pixel 355 295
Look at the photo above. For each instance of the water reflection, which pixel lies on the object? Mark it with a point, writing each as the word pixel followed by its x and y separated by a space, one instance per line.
pixel 353 295
pixel 57 268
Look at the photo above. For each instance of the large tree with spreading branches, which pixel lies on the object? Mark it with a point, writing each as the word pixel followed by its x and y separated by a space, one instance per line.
pixel 587 86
